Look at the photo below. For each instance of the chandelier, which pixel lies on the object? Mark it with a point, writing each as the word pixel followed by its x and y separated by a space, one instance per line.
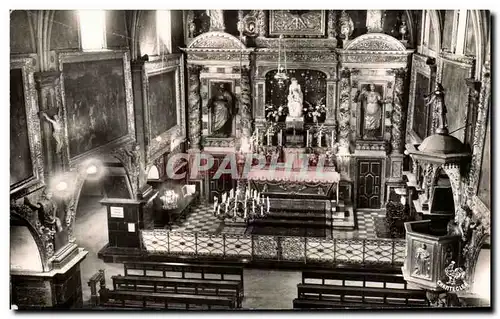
pixel 281 75
pixel 169 200
pixel 242 202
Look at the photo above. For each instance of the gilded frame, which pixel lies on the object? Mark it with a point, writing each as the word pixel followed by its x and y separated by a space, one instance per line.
pixel 157 145
pixel 36 181
pixel 73 57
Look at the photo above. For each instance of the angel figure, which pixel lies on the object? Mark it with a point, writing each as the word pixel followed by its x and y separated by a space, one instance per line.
pixel 57 130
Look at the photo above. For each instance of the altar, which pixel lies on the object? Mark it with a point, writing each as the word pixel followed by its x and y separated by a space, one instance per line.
pixel 310 182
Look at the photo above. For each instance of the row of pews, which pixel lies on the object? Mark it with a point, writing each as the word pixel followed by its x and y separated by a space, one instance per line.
pixel 356 288
pixel 164 285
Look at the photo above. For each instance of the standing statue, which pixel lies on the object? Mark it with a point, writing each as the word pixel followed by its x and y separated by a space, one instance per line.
pixel 422 259
pixel 57 130
pixel 371 102
pixel 403 29
pixel 436 99
pixel 47 210
pixel 222 108
pixel 216 20
pixel 295 99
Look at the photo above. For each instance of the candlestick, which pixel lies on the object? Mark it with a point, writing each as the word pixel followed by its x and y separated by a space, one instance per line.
pixel 268 204
pixel 333 140
pixel 261 210
pixel 268 138
pixel 307 139
pixel 218 210
pixel 319 139
pixel 280 138
pixel 337 192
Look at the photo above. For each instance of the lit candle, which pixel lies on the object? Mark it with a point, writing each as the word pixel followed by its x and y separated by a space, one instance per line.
pixel 261 210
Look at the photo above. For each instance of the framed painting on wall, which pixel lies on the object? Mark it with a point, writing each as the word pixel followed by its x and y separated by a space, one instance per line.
pixel 26 162
pixel 221 108
pixel 164 105
pixel 97 98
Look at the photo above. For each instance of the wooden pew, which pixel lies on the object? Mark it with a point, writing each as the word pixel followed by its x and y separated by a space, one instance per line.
pixel 353 275
pixel 144 268
pixel 318 291
pixel 180 285
pixel 331 304
pixel 157 300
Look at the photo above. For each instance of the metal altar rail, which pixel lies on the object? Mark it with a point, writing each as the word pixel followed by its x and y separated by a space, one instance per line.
pixel 389 252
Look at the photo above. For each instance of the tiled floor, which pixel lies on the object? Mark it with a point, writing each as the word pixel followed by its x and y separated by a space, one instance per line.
pixel 203 220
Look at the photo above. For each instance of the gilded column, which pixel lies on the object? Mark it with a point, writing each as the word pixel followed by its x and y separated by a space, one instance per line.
pixel 52 119
pixel 344 111
pixel 245 103
pixel 194 106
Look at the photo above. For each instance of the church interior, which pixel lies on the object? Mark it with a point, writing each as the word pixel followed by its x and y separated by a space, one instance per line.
pixel 296 159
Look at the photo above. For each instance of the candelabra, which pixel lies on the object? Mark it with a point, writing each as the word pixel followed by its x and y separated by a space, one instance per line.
pixel 242 202
pixel 170 199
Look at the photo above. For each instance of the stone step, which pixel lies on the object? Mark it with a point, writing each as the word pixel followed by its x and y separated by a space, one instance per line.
pixel 290 223
pixel 313 216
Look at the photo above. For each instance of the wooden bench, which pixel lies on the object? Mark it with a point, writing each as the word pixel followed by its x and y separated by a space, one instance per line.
pixel 180 285
pixel 143 299
pixel 222 271
pixel 318 291
pixel 354 275
pixel 331 304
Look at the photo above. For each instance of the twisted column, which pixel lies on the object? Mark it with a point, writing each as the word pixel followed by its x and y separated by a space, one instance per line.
pixel 194 106
pixel 398 115
pixel 245 103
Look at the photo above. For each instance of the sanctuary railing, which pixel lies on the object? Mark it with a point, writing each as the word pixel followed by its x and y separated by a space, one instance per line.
pixel 390 252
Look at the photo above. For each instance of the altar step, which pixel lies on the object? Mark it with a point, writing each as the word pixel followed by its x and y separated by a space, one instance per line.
pixel 285 222
pixel 302 216
pixel 293 223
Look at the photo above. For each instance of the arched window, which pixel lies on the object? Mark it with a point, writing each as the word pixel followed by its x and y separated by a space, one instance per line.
pixel 164 30
pixel 92 29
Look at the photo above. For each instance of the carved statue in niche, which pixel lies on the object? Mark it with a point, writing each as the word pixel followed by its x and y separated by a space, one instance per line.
pixel 371 106
pixel 57 129
pixel 47 209
pixel 221 106
pixel 295 99
pixel 422 261
pixel 216 20
pixel 346 25
pixel 436 100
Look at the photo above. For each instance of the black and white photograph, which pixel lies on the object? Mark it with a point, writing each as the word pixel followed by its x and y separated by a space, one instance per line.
pixel 227 159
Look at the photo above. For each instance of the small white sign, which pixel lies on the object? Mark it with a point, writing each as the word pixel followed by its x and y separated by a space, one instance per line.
pixel 131 227
pixel 116 212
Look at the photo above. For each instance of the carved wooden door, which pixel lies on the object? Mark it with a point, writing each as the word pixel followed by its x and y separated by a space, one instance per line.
pixel 369 183
pixel 219 185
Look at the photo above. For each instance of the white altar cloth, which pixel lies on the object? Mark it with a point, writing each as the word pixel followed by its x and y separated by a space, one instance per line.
pixel 310 175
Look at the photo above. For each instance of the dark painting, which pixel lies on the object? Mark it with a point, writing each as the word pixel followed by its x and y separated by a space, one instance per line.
pixel 456 97
pixel 21 167
pixel 162 103
pixel 312 83
pixel 95 102
pixel 419 108
pixel 484 191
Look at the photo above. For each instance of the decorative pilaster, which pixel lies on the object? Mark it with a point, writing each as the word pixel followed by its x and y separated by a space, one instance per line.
pixel 398 114
pixel 332 24
pixel 262 24
pixel 194 106
pixel 51 116
pixel 480 131
pixel 344 111
pixel 245 103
